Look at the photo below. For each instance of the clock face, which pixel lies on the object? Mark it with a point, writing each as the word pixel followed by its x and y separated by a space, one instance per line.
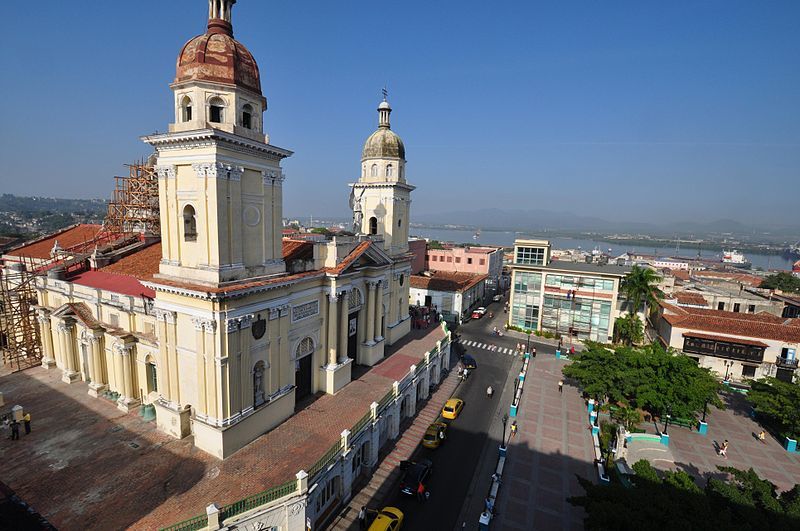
pixel 259 327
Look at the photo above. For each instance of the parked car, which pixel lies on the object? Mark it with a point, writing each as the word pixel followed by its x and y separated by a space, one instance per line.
pixel 497 298
pixel 388 519
pixel 434 435
pixel 452 408
pixel 468 362
pixel 414 474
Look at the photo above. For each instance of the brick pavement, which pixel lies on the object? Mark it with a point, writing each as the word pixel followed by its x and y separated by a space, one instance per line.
pixel 388 471
pixel 697 454
pixel 552 446
pixel 87 465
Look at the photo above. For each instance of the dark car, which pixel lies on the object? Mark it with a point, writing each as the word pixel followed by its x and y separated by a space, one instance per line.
pixel 469 362
pixel 414 473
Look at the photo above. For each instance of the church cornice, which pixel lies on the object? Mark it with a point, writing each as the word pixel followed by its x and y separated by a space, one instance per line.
pixel 201 138
pixel 404 186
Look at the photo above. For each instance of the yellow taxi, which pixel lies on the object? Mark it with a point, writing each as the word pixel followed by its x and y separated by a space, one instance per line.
pixel 434 435
pixel 452 408
pixel 388 519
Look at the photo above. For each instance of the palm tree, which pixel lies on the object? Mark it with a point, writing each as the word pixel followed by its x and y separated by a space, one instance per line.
pixel 639 286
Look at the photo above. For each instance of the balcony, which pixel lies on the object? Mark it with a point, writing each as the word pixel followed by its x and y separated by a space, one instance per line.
pixel 786 363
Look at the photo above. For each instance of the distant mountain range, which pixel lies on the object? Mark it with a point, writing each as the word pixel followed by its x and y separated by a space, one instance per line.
pixel 544 220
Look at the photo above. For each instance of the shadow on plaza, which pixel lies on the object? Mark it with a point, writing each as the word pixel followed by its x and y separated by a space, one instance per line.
pixel 79 468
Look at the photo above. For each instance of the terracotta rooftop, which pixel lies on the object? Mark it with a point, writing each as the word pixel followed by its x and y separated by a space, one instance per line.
pixel 759 326
pixel 744 278
pixel 446 281
pixel 142 264
pixel 687 297
pixel 66 238
pixel 87 465
pixel 680 274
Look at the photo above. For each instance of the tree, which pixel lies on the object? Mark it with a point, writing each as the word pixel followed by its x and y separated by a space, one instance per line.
pixel 782 281
pixel 639 286
pixel 629 329
pixel 779 403
pixel 674 500
pixel 627 416
pixel 649 377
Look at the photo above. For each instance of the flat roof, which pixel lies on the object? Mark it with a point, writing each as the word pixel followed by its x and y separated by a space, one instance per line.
pixel 583 267
pixel 526 241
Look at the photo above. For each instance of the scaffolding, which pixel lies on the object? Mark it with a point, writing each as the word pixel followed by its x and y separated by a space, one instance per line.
pixel 133 212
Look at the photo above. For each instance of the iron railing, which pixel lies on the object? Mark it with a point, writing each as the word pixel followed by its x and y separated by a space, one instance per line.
pixel 192 524
pixel 326 459
pixel 257 500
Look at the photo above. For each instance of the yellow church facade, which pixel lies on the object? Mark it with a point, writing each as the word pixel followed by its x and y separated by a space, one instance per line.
pixel 218 324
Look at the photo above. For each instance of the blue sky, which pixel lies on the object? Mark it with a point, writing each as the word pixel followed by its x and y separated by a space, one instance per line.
pixel 625 110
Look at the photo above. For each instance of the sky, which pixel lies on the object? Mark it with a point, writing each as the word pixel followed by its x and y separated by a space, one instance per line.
pixel 624 110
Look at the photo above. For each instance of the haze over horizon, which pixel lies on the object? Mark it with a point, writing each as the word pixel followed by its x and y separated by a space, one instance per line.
pixel 631 112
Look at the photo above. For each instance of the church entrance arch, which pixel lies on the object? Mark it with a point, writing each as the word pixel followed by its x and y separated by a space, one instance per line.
pixel 303 361
pixel 354 304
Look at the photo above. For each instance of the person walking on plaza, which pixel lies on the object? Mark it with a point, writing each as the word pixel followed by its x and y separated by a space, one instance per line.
pixel 723 451
pixel 762 437
pixel 489 392
pixel 513 429
pixel 27 420
pixel 362 518
pixel 14 430
pixel 561 386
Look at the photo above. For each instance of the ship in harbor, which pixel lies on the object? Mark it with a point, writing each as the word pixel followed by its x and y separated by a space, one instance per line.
pixel 734 258
pixel 793 251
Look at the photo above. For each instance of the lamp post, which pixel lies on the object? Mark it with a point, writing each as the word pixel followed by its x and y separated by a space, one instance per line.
pixel 528 343
pixel 728 365
pixel 505 421
pixel 705 408
pixel 666 419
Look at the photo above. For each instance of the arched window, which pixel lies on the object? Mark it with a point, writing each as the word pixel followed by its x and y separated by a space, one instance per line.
pixel 304 348
pixel 189 224
pixel 389 170
pixel 258 384
pixel 186 109
pixel 247 116
pixel 374 171
pixel 399 222
pixel 364 170
pixel 373 225
pixel 152 375
pixel 216 108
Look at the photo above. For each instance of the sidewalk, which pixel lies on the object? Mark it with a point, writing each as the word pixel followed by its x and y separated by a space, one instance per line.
pixel 388 471
pixel 552 446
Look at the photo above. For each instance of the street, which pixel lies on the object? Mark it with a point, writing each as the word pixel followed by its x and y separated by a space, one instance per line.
pixel 456 461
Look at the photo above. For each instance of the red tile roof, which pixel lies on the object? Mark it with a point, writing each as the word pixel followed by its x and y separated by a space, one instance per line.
pixel 67 238
pixel 142 264
pixel 742 278
pixel 761 325
pixel 446 281
pixel 123 284
pixel 687 297
pixel 297 250
pixel 725 339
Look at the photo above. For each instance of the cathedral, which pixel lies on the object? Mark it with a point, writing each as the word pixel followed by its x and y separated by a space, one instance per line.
pixel 218 324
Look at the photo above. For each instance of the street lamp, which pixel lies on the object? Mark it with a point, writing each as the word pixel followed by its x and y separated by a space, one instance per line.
pixel 666 419
pixel 528 343
pixel 505 421
pixel 705 408
pixel 728 365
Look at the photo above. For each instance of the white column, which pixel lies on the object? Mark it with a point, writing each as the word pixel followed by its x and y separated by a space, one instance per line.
pixel 332 330
pixel 370 338
pixel 343 328
pixel 378 312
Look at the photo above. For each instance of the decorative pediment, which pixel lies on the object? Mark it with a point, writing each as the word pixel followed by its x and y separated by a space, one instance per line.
pixel 80 312
pixel 365 255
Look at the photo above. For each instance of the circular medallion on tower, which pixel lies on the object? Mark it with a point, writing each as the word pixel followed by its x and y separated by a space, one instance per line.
pixel 383 143
pixel 216 56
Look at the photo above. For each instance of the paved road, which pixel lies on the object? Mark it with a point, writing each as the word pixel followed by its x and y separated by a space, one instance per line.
pixel 456 461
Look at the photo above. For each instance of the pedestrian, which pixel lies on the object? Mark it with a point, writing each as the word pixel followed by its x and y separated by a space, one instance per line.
pixel 489 392
pixel 27 420
pixel 513 429
pixel 723 451
pixel 533 352
pixel 489 504
pixel 421 492
pixel 466 374
pixel 14 430
pixel 362 518
pixel 762 437
pixel 561 386
pixel 571 350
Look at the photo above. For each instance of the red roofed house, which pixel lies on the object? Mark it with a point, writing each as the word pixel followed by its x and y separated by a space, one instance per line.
pixel 737 346
pixel 454 295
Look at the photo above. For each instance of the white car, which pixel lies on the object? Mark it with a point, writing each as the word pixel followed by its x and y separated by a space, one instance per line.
pixel 497 298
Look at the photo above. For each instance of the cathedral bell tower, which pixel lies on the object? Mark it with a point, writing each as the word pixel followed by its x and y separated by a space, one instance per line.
pixel 381 199
pixel 220 180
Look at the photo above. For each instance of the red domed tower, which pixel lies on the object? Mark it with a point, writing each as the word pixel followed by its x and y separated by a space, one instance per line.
pixel 217 81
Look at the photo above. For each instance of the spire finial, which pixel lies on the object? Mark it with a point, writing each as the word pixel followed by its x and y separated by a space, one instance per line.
pixel 384 110
pixel 219 16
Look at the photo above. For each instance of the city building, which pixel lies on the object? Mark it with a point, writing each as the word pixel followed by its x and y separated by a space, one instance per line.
pixel 454 295
pixel 790 303
pixel 214 320
pixel 417 247
pixel 725 296
pixel 737 346
pixel 475 260
pixel 796 269
pixel 570 299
